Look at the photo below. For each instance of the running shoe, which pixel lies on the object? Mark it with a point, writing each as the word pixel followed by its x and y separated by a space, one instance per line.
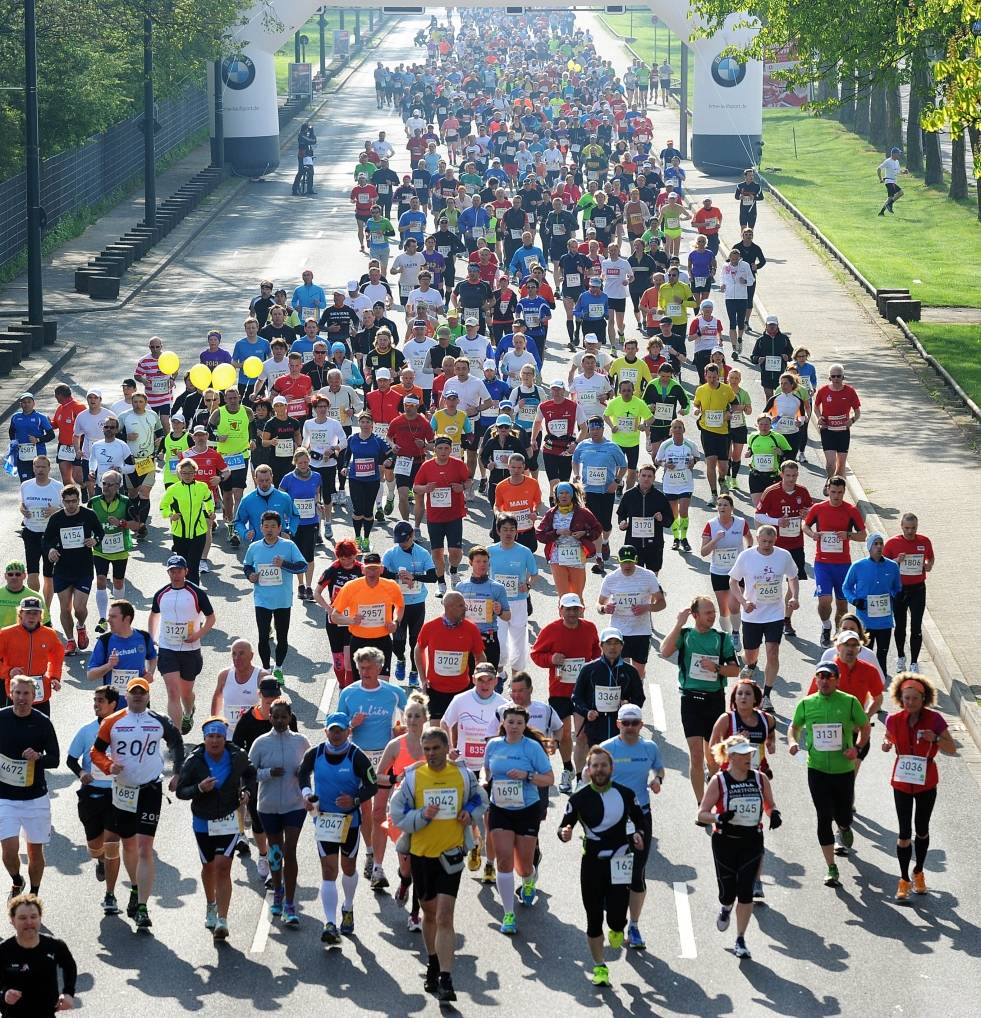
pixel 788 629
pixel 369 864
pixel 676 544
pixel 900 664
pixel 378 879
pixel 601 975
pixel 279 677
pixel 389 506
pixel 133 904
pixel 847 837
pixel 741 950
pixel 242 849
pixel 635 938
pixel 713 500
pixel 379 515
pixel 528 892
pixel 399 670
pixel 615 939
pixel 565 782
pixel 102 626
pixel 431 984
pixel 685 546
pixel 211 917
pixel 445 994
pixel 329 934
pixel 833 877
pixel 914 667
pixel 766 703
pixel 402 891
pixel 109 905
pixel 82 637
pixel 187 722
pixel 262 867
pixel 328 532
pixel 482 487
pixel 347 920
pixel 490 874
pixel 598 568
pixel 143 921
pixel 737 643
pixel 758 894
pixel 414 925
pixel 473 858
pixel 722 919
pixel 919 882
pixel 440 588
pixel 509 924
pixel 825 637
pixel 70 648
pixel 205 566
pixel 233 539
pixel 290 918
pixel 100 870
pixel 902 891
pixel 413 680
pixel 276 905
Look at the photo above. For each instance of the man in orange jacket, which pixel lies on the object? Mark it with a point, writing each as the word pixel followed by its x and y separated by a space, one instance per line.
pixel 29 649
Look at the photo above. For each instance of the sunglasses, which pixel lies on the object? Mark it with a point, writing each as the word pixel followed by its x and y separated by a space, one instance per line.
pixel 836 376
pixel 14 574
pixel 631 724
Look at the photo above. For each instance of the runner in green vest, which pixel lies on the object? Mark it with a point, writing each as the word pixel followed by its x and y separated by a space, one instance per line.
pixel 765 450
pixel 112 510
pixel 230 425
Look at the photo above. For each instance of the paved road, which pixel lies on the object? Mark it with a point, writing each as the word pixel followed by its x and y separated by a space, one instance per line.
pixel 812 946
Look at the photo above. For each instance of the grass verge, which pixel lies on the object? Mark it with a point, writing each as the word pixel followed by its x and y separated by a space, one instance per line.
pixel 958 348
pixel 829 174
pixel 285 54
pixel 652 43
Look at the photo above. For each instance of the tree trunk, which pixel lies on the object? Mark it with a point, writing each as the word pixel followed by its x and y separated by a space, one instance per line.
pixel 933 173
pixel 846 111
pixel 862 104
pixel 877 116
pixel 975 136
pixel 958 172
pixel 914 148
pixel 894 117
pixel 827 89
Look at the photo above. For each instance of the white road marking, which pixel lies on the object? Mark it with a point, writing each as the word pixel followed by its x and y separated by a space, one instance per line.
pixel 685 931
pixel 326 698
pixel 320 234
pixel 261 930
pixel 660 722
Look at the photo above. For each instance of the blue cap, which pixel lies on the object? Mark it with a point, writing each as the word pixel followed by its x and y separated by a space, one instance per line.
pixel 503 419
pixel 337 720
pixel 177 562
pixel 338 348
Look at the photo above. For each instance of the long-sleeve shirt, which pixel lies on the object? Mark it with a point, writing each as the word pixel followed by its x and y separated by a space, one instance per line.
pixel 33 971
pixel 33 731
pixel 872 586
pixel 250 510
pixel 604 687
pixel 279 749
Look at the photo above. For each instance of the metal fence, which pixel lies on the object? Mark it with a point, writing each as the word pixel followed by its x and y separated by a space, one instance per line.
pixel 85 175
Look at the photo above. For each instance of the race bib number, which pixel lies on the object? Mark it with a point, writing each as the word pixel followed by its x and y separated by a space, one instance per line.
pixel 773 364
pixel 384 188
pixel 664 412
pixel 158 385
pixel 403 465
pixel 478 232
pixel 510 583
pixel 144 466
pixel 768 593
pixel 747 200
pixel 223 826
pixel 38 681
pixel 532 319
pixel 789 527
pixel 599 222
pixel 72 537
pixel 473 753
pixel 445 799
pixel 831 543
pixel 627 425
pixel 66 453
pixel 270 575
pixel 558 230
pixel 125 797
pixel 704 669
pixel 234 461
pixel 878 606
pixel 674 309
pixel 573 279
pixel 568 555
pixel 643 526
pixel 748 810
pixel 479 610
pixel 508 793
pixel 284 448
pixel 596 310
pixel 786 425
pixel 622 869
pixel 120 677
pixel 912 565
pixel 826 738
pixel 113 543
pixel 235 714
pixel 305 507
pixel 714 418
pixel 18 773
pixel 500 458
pixel 558 428
pixel 441 498
pixel 26 452
pixel 737 419
pixel 39 515
pixel 596 476
pixel 363 467
pixel 175 632
pixel 677 476
pixel 332 827
pixel 701 282
pixel 449 663
pixel 911 769
pixel 372 614
pixel 725 558
pixel 764 462
pixel 570 669
pixel 516 235
pixel 523 516
pixel 607 698
pixel 380 429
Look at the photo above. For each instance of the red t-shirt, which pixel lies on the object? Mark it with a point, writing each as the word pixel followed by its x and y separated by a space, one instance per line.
pixel 383 406
pixel 402 435
pixel 210 464
pixel 834 407
pixel 559 424
pixel 577 645
pixel 917 552
pixel 364 196
pixel 296 390
pixel 845 517
pixel 903 736
pixel 439 382
pixel 781 506
pixel 455 472
pixel 703 217
pixel 63 420
pixel 450 653
pixel 862 681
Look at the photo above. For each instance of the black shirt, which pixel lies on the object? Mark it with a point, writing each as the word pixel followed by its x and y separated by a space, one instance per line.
pixel 260 308
pixel 285 332
pixel 74 562
pixel 34 972
pixel 35 731
pixel 473 295
pixel 753 254
pixel 344 318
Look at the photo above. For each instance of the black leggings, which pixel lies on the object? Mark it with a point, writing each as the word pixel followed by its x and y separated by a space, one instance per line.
pixel 879 641
pixel 600 895
pixel 409 626
pixel 911 599
pixel 363 495
pixel 192 549
pixel 264 618
pixel 833 796
pixel 923 803
pixel 737 861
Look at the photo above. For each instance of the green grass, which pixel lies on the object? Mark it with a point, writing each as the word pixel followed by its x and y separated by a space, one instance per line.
pixel 284 56
pixel 958 348
pixel 651 45
pixel 926 246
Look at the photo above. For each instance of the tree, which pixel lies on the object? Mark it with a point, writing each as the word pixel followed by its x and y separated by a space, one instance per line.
pixel 862 103
pixel 894 117
pixel 958 172
pixel 933 168
pixel 848 92
pixel 877 116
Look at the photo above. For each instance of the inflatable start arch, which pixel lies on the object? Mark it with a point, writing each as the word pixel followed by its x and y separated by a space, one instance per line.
pixel 727 111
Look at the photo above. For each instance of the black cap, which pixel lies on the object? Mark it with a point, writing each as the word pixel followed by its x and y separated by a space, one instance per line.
pixel 828 668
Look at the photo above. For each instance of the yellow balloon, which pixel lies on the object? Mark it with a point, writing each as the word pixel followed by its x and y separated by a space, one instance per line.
pixel 252 367
pixel 224 376
pixel 168 362
pixel 200 376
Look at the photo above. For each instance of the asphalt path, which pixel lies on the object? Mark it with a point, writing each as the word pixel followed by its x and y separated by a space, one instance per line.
pixel 816 951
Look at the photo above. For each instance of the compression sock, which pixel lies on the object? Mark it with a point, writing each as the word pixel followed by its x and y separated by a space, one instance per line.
pixel 366 526
pixel 921 846
pixel 725 623
pixel 734 468
pixel 102 601
pixel 505 887
pixel 328 898
pixel 735 620
pixel 350 885
pixel 571 329
pixel 357 528
pixel 390 489
pixel 674 527
pixel 684 528
pixel 904 854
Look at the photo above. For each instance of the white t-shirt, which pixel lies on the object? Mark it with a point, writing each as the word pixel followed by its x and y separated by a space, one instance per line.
pixel 587 391
pixel 626 591
pixel 676 477
pixel 617 273
pixel 36 499
pixel 476 350
pixel 472 392
pixel 725 553
pixel 603 361
pixel 763 577
pixel 417 357
pixel 376 292
pixel 427 302
pixel 512 363
pixel 319 436
pixel 144 426
pixel 409 267
pixel 271 370
pixel 542 718
pixel 105 456
pixel 472 717
pixel 890 170
pixel 89 426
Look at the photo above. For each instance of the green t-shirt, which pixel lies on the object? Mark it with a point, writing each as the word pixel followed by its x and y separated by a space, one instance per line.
pixel 627 416
pixel 8 606
pixel 829 721
pixel 118 538
pixel 766 451
pixel 368 169
pixel 692 646
pixel 379 230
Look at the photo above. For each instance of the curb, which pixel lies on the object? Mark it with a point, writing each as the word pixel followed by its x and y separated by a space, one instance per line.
pixel 947 378
pixel 41 379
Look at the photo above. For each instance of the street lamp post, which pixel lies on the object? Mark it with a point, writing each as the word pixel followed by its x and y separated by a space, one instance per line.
pixel 35 290
pixel 323 41
pixel 149 155
pixel 218 142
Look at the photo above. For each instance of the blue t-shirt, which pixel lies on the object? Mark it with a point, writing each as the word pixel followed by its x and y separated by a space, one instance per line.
pixel 221 771
pixel 274 590
pixel 416 223
pixel 633 765
pixel 701 263
pixel 365 457
pixel 417 560
pixel 477 594
pixel 243 350
pixel 134 652
pixel 498 389
pixel 303 491
pixel 511 567
pixel 81 747
pixel 380 705
pixel 502 756
pixel 605 454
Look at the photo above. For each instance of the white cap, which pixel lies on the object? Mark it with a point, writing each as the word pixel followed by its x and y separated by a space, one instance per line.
pixel 571 601
pixel 94 392
pixel 352 284
pixel 178 417
pixel 383 373
pixel 279 399
pixel 470 320
pixel 630 712
pixel 740 747
pixel 490 364
pixel 772 320
pixel 611 633
pixel 846 636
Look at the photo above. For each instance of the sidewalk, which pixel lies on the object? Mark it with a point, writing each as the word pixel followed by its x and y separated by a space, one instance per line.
pixel 911 453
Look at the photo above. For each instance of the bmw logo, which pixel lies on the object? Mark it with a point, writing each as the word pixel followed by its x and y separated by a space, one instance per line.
pixel 239 72
pixel 728 71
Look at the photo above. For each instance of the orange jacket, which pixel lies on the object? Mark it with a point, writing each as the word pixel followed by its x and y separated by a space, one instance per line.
pixel 35 652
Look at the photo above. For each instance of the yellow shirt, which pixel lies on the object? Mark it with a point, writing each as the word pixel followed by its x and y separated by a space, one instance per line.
pixel 621 370
pixel 713 403
pixel 452 426
pixel 675 295
pixel 438 836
